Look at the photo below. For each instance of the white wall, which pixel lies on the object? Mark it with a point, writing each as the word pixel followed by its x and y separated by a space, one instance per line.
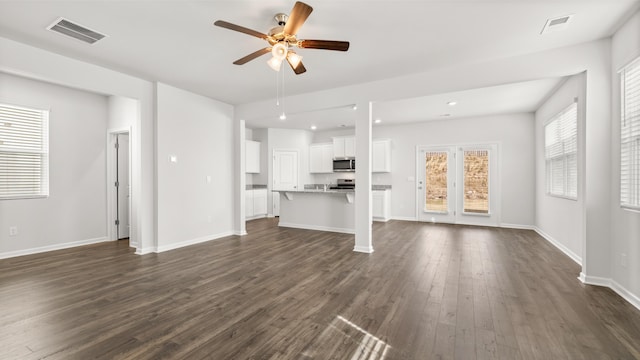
pixel 28 61
pixel 287 139
pixel 75 211
pixel 625 225
pixel 559 219
pixel 199 132
pixel 513 134
pixel 123 112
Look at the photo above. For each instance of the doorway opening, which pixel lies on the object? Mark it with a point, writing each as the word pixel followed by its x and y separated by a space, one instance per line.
pixel 458 184
pixel 119 186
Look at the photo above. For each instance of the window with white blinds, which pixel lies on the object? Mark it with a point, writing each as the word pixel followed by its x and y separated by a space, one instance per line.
pixel 630 136
pixel 561 153
pixel 24 148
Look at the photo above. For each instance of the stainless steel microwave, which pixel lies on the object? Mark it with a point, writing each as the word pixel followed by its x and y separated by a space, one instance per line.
pixel 344 165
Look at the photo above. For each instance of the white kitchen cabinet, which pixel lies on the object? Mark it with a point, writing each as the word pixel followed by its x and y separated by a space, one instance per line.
pixel 248 203
pixel 381 205
pixel 344 147
pixel 321 158
pixel 381 155
pixel 252 156
pixel 255 203
pixel 259 202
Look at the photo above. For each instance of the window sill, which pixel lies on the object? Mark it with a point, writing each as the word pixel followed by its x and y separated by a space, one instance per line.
pixel 631 209
pixel 24 197
pixel 563 197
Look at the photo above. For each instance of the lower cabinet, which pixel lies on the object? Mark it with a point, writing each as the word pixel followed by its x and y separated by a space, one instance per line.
pixel 381 205
pixel 255 203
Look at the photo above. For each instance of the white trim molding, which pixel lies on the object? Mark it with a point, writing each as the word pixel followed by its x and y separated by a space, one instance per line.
pixel 193 241
pixel 10 254
pixel 559 245
pixel 624 293
pixel 365 249
pixel 517 226
pixel 404 218
pixel 316 227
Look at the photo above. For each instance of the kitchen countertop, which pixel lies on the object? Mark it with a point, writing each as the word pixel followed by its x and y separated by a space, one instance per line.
pixel 328 191
pixel 255 187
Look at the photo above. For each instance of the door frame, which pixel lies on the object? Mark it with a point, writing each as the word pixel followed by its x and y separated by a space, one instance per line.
pixel 112 210
pixel 495 202
pixel 274 209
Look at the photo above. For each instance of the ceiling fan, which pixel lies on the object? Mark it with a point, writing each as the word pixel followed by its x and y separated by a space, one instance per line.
pixel 282 38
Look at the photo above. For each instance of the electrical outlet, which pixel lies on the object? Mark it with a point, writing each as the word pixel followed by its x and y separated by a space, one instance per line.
pixel 623 260
pixel 13 230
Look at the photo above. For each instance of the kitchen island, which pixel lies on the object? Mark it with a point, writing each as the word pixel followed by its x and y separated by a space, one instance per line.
pixel 318 209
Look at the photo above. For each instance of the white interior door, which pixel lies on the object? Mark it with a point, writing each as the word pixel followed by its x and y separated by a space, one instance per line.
pixel 285 175
pixel 458 184
pixel 124 186
pixel 285 170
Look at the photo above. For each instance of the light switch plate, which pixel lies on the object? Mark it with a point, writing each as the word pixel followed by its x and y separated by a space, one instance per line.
pixel 173 158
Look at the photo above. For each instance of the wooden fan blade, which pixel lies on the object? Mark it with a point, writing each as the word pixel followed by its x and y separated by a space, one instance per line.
pixel 242 29
pixel 252 56
pixel 324 45
pixel 297 17
pixel 299 69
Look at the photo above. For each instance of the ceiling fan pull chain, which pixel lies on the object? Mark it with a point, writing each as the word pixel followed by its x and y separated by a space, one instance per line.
pixel 277 91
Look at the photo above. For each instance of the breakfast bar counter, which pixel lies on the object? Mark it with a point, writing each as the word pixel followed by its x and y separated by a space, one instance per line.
pixel 318 209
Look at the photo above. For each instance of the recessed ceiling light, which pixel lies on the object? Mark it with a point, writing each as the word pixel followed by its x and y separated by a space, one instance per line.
pixel 313 127
pixel 377 121
pixel 354 107
pixel 452 103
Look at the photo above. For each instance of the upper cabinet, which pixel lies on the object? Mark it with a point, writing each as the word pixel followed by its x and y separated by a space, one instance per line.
pixel 344 147
pixel 321 158
pixel 252 157
pixel 381 155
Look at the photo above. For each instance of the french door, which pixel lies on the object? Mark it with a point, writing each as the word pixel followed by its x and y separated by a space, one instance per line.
pixel 458 184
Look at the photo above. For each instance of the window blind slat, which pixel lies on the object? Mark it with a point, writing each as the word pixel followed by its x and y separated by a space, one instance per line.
pixel 561 148
pixel 630 136
pixel 23 152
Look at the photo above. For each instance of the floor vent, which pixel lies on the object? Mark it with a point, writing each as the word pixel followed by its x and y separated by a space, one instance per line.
pixel 555 24
pixel 68 28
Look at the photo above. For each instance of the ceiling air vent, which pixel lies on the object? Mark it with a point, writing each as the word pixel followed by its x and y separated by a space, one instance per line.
pixel 68 28
pixel 555 24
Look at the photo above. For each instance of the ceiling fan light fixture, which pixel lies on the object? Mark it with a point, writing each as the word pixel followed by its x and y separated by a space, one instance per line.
pixel 294 59
pixel 275 63
pixel 279 51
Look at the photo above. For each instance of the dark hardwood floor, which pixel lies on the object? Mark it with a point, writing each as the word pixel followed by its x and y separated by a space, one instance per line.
pixel 428 292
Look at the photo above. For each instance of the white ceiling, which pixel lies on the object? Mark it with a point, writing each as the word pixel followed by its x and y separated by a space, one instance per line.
pixel 504 99
pixel 175 42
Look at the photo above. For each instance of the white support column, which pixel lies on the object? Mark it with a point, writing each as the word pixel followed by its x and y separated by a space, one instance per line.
pixel 363 217
pixel 239 170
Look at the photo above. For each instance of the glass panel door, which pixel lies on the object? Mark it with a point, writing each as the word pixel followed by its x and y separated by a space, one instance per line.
pixel 436 178
pixel 478 191
pixel 458 184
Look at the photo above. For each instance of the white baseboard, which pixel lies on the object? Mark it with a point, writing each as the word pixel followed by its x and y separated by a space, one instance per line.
pixel 145 251
pixel 193 241
pixel 517 226
pixel 363 249
pixel 10 254
pixel 594 280
pixel 404 218
pixel 316 227
pixel 240 233
pixel 261 216
pixel 624 293
pixel 559 245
